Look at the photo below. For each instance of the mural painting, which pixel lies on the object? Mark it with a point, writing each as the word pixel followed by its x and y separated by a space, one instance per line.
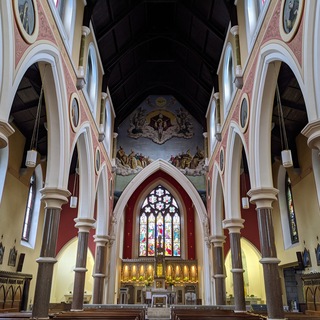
pixel 160 125
pixel 160 128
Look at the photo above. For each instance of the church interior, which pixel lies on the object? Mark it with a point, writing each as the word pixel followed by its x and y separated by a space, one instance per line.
pixel 160 154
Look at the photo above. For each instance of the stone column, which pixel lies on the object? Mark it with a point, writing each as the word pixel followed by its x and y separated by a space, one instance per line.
pixel 5 131
pixel 81 77
pixel 109 290
pixel 263 199
pixel 84 225
pixel 217 116
pixel 102 120
pixel 234 225
pixel 99 269
pixel 239 74
pixel 54 198
pixel 218 269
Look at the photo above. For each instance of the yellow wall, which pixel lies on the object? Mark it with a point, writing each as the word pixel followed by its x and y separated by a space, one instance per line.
pixel 253 275
pixel 306 210
pixel 63 276
pixel 12 209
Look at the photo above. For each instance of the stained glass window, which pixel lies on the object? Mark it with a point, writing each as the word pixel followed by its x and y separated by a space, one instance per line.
pixel 159 224
pixel 291 212
pixel 29 209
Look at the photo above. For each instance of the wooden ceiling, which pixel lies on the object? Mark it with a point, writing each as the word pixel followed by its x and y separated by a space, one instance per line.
pixel 160 47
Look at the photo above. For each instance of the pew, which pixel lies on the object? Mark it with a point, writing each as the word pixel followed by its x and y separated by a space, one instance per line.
pixel 105 314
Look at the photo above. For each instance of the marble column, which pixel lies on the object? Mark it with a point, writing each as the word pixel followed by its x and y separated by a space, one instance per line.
pixel 54 198
pixel 263 199
pixel 218 269
pixel 99 269
pixel 84 225
pixel 109 283
pixel 234 225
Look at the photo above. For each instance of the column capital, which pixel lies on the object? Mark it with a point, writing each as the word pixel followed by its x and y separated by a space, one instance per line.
pixel 101 240
pixel 234 30
pixel 263 197
pixel 84 224
pixel 5 131
pixel 54 197
pixel 234 225
pixel 104 95
pixel 312 132
pixel 85 31
pixel 218 240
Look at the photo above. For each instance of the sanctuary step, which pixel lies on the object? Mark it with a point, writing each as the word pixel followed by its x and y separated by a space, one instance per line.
pixel 158 313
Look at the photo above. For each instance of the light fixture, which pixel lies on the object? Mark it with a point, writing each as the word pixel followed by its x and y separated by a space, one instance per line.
pixel 31 159
pixel 244 199
pixel 286 155
pixel 74 198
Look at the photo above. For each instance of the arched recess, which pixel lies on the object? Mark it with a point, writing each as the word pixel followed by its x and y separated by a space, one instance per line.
pixel 120 209
pixel 49 60
pixel 264 87
pixel 253 274
pixel 235 144
pixel 63 275
pixel 84 145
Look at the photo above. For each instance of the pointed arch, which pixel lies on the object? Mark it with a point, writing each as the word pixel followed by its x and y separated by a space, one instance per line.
pixel 172 171
pixel 217 206
pixel 54 85
pixel 84 144
pixel 235 144
pixel 103 209
pixel 260 119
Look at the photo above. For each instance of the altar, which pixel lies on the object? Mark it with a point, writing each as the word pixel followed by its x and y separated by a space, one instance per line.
pixel 162 297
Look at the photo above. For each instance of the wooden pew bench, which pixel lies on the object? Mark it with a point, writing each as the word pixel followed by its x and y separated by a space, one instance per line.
pixel 188 314
pixel 106 314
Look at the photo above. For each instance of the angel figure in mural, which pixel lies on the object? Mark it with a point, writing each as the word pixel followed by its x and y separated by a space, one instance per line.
pixel 199 155
pixel 121 155
pixel 138 120
pixel 184 122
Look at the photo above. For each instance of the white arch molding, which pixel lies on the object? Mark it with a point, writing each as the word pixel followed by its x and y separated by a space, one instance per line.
pixel 235 143
pixel 83 140
pixel 57 108
pixel 266 75
pixel 170 170
pixel 103 210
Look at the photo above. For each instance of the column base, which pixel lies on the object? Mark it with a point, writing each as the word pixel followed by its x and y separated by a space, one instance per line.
pixel 240 311
pixel 76 310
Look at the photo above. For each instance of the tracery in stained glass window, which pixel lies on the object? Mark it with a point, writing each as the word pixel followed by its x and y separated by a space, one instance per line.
pixel 291 212
pixel 159 224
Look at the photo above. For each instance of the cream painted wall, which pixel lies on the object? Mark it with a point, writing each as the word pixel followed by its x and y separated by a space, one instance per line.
pixel 306 209
pixel 63 274
pixel 253 276
pixel 12 209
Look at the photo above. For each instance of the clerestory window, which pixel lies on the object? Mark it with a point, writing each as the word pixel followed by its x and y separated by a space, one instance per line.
pixel 159 224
